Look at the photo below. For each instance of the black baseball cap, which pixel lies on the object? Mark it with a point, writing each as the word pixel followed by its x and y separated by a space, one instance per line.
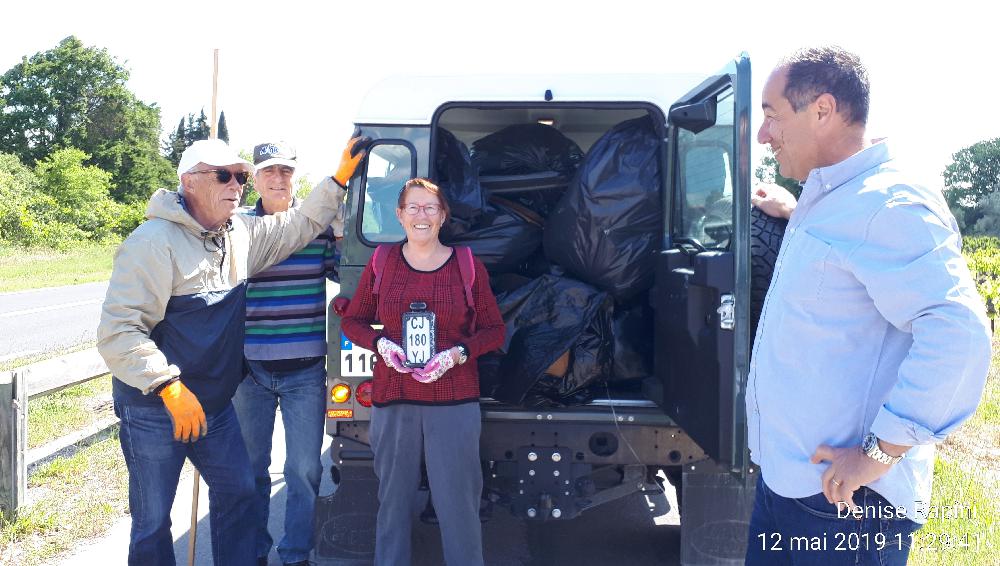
pixel 273 153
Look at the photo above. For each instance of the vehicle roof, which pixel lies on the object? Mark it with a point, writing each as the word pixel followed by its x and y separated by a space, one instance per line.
pixel 414 99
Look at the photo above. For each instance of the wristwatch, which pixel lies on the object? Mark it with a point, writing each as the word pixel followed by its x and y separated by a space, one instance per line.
pixel 463 353
pixel 871 449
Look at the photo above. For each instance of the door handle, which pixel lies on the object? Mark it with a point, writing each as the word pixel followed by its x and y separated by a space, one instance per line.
pixel 727 312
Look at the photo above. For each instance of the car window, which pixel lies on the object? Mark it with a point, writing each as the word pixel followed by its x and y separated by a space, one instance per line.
pixel 389 166
pixel 705 212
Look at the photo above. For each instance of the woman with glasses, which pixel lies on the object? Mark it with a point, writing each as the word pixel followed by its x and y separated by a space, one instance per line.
pixel 426 400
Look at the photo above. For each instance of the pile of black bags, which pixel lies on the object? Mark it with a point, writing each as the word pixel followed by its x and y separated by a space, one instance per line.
pixel 576 309
pixel 607 226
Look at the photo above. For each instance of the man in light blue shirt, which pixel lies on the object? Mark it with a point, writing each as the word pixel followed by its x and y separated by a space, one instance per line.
pixel 873 343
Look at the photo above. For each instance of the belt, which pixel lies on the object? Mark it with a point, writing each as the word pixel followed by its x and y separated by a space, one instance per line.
pixel 290 364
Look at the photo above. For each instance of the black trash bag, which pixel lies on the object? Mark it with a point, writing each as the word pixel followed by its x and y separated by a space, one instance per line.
pixel 526 148
pixel 544 319
pixel 541 202
pixel 632 331
pixel 503 237
pixel 607 227
pixel 589 362
pixel 489 374
pixel 458 178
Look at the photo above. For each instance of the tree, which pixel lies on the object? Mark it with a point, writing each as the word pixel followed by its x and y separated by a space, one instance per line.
pixel 223 129
pixel 988 212
pixel 79 195
pixel 250 196
pixel 18 189
pixel 197 129
pixel 187 133
pixel 175 144
pixel 75 96
pixel 972 176
pixel 767 172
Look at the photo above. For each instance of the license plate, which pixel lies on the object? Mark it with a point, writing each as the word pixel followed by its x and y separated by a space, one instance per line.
pixel 356 361
pixel 418 338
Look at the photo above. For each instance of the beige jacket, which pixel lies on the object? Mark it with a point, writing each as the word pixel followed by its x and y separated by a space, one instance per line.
pixel 171 255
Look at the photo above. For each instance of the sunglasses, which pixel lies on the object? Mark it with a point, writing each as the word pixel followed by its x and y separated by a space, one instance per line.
pixel 224 175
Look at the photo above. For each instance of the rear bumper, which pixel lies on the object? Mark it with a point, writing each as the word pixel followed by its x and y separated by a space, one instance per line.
pixel 594 435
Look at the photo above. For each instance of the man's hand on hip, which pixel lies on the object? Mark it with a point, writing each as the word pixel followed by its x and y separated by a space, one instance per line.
pixel 185 412
pixel 773 200
pixel 849 469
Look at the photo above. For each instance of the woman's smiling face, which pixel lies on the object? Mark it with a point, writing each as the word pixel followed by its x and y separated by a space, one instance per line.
pixel 421 215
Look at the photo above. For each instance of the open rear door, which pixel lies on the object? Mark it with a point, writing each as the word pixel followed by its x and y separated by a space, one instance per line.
pixel 702 277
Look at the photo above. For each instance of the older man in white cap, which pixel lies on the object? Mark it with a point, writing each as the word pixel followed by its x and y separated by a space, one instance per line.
pixel 172 330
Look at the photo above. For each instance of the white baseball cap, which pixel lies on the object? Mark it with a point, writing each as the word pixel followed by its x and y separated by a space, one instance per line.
pixel 211 152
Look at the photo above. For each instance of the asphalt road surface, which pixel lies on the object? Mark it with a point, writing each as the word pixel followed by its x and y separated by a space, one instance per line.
pixel 42 320
pixel 637 530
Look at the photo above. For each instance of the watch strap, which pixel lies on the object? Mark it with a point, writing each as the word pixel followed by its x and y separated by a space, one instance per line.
pixel 463 353
pixel 874 451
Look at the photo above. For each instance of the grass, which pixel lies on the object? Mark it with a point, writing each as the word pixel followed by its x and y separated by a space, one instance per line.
pixel 22 269
pixel 73 408
pixel 966 530
pixel 988 414
pixel 967 478
pixel 78 498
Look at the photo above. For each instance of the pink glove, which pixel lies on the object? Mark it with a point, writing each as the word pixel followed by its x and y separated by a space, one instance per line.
pixel 392 355
pixel 434 369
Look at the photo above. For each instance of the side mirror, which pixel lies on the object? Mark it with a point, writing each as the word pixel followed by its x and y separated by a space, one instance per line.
pixel 695 117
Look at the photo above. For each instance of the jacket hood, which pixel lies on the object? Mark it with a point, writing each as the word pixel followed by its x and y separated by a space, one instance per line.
pixel 168 205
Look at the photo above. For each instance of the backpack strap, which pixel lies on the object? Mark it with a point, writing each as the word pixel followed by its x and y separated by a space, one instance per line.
pixel 379 259
pixel 468 268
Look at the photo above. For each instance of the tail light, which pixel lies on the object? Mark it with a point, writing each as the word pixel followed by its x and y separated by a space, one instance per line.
pixel 340 393
pixel 364 393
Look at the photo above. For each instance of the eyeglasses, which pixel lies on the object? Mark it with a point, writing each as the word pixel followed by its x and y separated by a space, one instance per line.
pixel 224 175
pixel 429 209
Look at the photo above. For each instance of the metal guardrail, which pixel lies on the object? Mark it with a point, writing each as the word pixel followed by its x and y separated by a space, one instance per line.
pixel 17 387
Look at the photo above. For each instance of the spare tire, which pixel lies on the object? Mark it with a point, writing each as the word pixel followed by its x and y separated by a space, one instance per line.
pixel 766 233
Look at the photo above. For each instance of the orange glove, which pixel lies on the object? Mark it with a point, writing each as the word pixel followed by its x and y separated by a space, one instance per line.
pixel 185 412
pixel 353 154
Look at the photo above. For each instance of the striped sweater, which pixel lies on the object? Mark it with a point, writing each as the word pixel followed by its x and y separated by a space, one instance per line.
pixel 286 303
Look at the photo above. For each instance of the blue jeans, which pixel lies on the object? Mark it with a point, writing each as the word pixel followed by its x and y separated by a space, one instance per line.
pixel 302 396
pixel 154 461
pixel 810 531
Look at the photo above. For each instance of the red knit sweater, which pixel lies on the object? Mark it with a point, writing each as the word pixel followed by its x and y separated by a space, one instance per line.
pixel 444 294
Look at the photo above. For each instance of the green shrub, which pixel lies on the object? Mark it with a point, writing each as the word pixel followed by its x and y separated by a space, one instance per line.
pixel 983 256
pixel 61 203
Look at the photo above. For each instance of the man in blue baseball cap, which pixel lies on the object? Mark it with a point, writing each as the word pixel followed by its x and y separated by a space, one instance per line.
pixel 285 347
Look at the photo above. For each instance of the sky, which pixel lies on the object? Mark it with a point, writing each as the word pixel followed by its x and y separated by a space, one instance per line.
pixel 297 71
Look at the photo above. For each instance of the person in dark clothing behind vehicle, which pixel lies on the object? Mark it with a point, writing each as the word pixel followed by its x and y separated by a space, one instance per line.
pixel 171 332
pixel 872 344
pixel 285 347
pixel 430 412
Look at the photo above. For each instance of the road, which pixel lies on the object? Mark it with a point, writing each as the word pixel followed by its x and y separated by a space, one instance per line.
pixel 637 530
pixel 42 320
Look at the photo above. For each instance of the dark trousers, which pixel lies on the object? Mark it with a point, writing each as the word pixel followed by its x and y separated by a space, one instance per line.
pixel 810 531
pixel 446 437
pixel 154 460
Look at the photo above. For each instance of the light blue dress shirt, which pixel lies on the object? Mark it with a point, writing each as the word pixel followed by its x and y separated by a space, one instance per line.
pixel 872 323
